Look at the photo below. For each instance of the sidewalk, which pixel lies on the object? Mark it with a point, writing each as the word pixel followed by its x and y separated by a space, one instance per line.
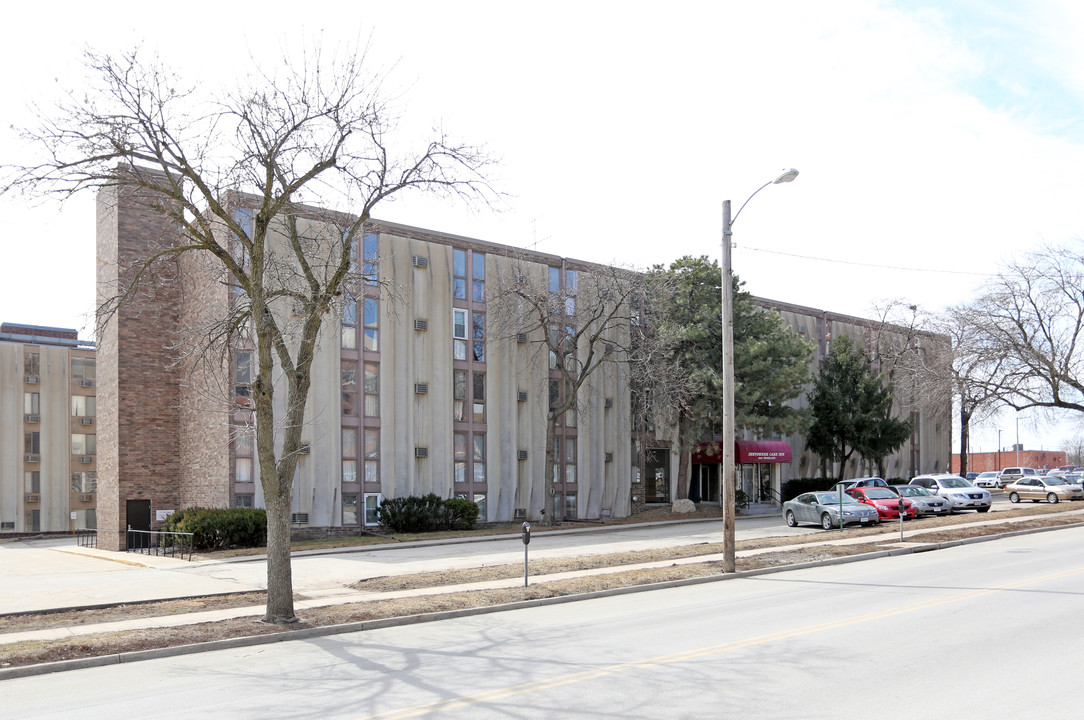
pixel 169 578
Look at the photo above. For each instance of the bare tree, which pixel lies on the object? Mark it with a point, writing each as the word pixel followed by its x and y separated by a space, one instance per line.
pixel 239 174
pixel 1029 326
pixel 579 320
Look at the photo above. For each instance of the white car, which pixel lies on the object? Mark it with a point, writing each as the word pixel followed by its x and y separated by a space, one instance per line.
pixel 960 494
pixel 989 479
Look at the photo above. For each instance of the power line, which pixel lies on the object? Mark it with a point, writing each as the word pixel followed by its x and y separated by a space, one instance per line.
pixel 869 265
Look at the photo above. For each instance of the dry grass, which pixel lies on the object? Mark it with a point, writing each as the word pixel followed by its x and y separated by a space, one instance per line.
pixel 27 653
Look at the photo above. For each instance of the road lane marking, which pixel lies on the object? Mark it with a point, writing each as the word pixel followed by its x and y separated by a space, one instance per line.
pixel 581 676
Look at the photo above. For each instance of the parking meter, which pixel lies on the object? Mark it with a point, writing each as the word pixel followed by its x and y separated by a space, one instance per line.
pixel 526 542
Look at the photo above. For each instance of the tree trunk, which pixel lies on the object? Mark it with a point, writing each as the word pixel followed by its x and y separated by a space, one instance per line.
pixel 550 517
pixel 280 598
pixel 965 438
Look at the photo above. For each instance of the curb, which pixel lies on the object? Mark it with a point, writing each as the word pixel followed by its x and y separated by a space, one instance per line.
pixel 361 626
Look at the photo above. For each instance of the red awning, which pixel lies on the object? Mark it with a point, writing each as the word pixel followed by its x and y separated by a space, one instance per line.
pixel 745 451
pixel 761 451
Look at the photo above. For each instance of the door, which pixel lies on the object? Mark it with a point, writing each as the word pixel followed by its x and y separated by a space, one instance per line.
pixel 138 513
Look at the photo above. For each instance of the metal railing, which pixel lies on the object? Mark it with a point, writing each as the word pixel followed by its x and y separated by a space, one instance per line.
pixel 86 538
pixel 159 542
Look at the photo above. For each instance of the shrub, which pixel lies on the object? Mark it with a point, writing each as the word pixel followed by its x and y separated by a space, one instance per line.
pixel 426 514
pixel 218 528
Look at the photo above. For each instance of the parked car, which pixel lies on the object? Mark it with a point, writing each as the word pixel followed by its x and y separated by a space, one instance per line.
pixel 1051 488
pixel 988 479
pixel 885 502
pixel 926 502
pixel 823 508
pixel 1011 474
pixel 858 482
pixel 1067 469
pixel 960 494
pixel 971 476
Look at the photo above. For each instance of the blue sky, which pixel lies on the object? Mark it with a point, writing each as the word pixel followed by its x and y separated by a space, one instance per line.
pixel 935 140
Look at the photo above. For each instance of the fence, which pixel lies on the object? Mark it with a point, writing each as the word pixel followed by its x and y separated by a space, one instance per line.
pixel 86 538
pixel 158 542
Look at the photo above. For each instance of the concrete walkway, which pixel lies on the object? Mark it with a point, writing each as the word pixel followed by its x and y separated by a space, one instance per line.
pixel 45 570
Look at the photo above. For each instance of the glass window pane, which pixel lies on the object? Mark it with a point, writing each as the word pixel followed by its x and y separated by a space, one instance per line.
pixel 460 471
pixel 460 350
pixel 350 509
pixel 350 471
pixel 372 504
pixel 480 501
pixel 242 470
pixel 372 378
pixel 350 442
pixel 480 447
pixel 478 266
pixel 372 443
pixel 479 472
pixel 459 324
pixel 460 445
pixel 459 384
pixel 478 292
pixel 459 263
pixel 478 325
pixel 479 387
pixel 459 289
pixel 570 450
pixel 372 471
pixel 350 311
pixel 570 473
pixel 372 406
pixel 572 281
pixel 479 412
pixel 555 279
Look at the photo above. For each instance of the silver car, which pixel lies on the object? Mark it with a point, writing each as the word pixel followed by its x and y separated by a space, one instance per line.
pixel 960 494
pixel 823 509
pixel 988 479
pixel 926 502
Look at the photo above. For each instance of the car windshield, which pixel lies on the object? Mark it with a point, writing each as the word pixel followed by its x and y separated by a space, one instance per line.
pixel 955 483
pixel 913 491
pixel 831 498
pixel 988 475
pixel 1054 480
pixel 880 494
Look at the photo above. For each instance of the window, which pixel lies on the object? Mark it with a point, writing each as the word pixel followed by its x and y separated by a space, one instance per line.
pixel 372 455
pixel 350 510
pixel 459 395
pixel 570 459
pixel 478 336
pixel 83 368
pixel 460 457
pixel 479 398
pixel 84 482
pixel 478 276
pixel 242 501
pixel 370 253
pixel 83 405
pixel 350 471
pixel 32 482
pixel 242 470
pixel 459 334
pixel 349 326
pixel 459 274
pixel 372 505
pixel 480 501
pixel 349 377
pixel 31 403
pixel 32 364
pixel 32 443
pixel 242 379
pixel 350 442
pixel 84 444
pixel 372 389
pixel 33 521
pixel 371 320
pixel 555 280
pixel 570 506
pixel 479 458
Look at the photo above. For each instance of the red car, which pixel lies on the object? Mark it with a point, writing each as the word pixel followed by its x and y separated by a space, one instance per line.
pixel 886 502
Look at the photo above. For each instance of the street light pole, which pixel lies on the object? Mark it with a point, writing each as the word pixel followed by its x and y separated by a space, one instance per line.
pixel 726 470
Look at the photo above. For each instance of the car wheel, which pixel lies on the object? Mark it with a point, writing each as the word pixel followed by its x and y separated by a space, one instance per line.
pixel 791 522
pixel 1051 498
pixel 826 521
pixel 1014 498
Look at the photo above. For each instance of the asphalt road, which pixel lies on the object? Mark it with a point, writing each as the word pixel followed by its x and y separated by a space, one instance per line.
pixel 983 630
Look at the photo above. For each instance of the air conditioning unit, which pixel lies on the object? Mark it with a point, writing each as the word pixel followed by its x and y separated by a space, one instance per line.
pixel 421 452
pixel 32 458
pixel 86 421
pixel 522 338
pixel 419 261
pixel 305 449
pixel 299 518
pixel 32 498
pixel 609 403
pixel 421 388
pixel 520 513
pixel 522 455
pixel 86 459
pixel 421 324
pixel 609 457
pixel 31 418
pixel 32 379
pixel 522 396
pixel 87 497
pixel 86 383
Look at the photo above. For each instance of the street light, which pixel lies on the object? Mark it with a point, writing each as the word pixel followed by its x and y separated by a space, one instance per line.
pixel 727 468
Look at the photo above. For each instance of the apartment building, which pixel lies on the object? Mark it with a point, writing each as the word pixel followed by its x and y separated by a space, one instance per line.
pixel 417 388
pixel 48 430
